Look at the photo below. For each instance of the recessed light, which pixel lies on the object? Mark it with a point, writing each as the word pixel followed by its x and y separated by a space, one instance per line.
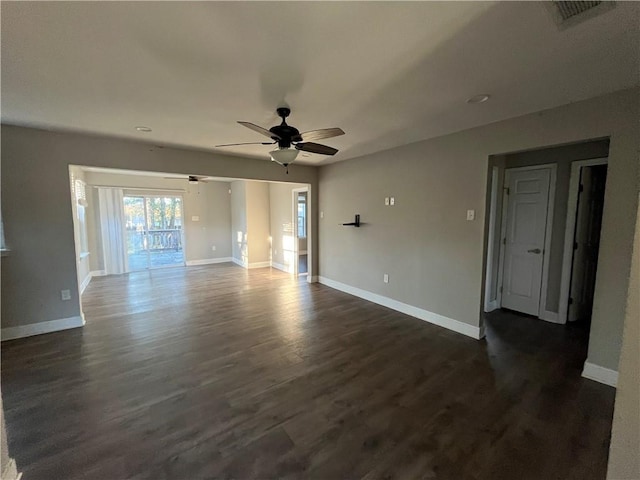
pixel 143 129
pixel 483 97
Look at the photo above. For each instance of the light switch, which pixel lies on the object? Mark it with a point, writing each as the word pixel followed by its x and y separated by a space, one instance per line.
pixel 386 200
pixel 385 278
pixel 471 214
pixel 321 214
pixel 195 218
pixel 392 201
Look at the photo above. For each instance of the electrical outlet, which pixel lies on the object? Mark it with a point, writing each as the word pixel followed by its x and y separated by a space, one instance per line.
pixel 385 278
pixel 386 201
pixel 471 214
pixel 392 201
pixel 65 294
pixel 213 248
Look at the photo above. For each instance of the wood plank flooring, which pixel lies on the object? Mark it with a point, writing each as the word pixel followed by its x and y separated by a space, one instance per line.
pixel 220 372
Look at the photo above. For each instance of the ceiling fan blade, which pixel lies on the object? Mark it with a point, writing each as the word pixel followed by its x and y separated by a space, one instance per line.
pixel 316 148
pixel 259 129
pixel 248 143
pixel 313 135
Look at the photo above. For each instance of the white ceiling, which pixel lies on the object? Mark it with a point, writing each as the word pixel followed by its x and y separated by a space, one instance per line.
pixel 387 73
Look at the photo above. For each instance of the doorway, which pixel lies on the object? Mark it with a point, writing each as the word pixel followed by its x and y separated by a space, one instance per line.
pixel 582 239
pixel 153 231
pixel 301 227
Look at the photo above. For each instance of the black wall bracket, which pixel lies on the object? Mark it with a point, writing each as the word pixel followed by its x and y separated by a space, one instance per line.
pixel 355 223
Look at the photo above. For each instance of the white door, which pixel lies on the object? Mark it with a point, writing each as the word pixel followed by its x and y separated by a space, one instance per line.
pixel 527 202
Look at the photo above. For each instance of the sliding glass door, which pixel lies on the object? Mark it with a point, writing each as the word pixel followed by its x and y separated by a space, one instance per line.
pixel 154 231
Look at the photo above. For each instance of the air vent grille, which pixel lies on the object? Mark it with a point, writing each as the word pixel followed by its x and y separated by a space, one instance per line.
pixel 567 14
pixel 571 9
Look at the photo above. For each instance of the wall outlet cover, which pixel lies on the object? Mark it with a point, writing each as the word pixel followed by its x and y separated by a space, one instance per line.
pixel 392 200
pixel 65 294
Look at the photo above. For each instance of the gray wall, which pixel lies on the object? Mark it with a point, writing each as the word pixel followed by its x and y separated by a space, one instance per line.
pixel 280 199
pixel 434 256
pixel 624 454
pixel 210 201
pixel 240 250
pixel 37 211
pixel 258 223
pixel 561 156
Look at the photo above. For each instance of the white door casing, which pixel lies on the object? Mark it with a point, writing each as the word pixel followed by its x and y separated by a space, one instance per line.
pixel 524 241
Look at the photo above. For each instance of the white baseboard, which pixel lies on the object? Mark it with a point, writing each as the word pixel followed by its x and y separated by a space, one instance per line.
pixel 208 261
pixel 282 267
pixel 10 470
pixel 238 262
pixel 491 306
pixel 21 331
pixel 436 319
pixel 600 374
pixel 85 283
pixel 259 265
pixel 97 273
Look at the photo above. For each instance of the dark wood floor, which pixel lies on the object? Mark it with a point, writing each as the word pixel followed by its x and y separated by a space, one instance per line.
pixel 219 372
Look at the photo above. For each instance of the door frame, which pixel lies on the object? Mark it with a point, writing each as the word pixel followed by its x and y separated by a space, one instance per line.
pixel 570 230
pixel 543 313
pixel 294 225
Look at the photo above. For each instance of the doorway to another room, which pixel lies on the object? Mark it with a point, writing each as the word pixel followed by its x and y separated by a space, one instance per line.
pixel 301 227
pixel 545 210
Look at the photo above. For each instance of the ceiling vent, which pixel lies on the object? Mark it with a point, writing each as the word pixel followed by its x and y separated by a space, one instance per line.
pixel 567 14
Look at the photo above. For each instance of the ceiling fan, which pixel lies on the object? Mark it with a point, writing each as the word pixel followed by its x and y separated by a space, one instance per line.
pixel 191 178
pixel 290 141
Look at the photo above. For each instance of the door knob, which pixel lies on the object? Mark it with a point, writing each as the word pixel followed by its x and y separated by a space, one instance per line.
pixel 535 250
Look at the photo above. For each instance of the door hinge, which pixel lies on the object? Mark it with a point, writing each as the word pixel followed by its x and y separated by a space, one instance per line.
pixel 570 301
pixel 504 241
pixel 500 289
pixel 507 190
pixel 575 245
pixel 580 188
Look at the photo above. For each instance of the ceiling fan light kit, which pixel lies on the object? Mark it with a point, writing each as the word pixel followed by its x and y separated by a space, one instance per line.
pixel 290 140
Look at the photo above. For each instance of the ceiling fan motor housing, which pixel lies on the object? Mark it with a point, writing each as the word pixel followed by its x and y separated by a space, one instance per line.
pixel 286 133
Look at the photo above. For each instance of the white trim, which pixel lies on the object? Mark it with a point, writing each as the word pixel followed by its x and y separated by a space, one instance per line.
pixel 280 266
pixel 489 304
pixel 10 470
pixel 543 313
pixel 85 283
pixel 600 374
pixel 259 265
pixel 22 331
pixel 98 273
pixel 548 231
pixel 569 233
pixel 548 316
pixel 207 261
pixel 302 252
pixel 436 319
pixel 238 262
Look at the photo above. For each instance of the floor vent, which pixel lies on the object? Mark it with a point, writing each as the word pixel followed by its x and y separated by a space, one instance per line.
pixel 567 14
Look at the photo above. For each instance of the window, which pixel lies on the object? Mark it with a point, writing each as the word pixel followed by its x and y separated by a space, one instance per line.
pixel 302 215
